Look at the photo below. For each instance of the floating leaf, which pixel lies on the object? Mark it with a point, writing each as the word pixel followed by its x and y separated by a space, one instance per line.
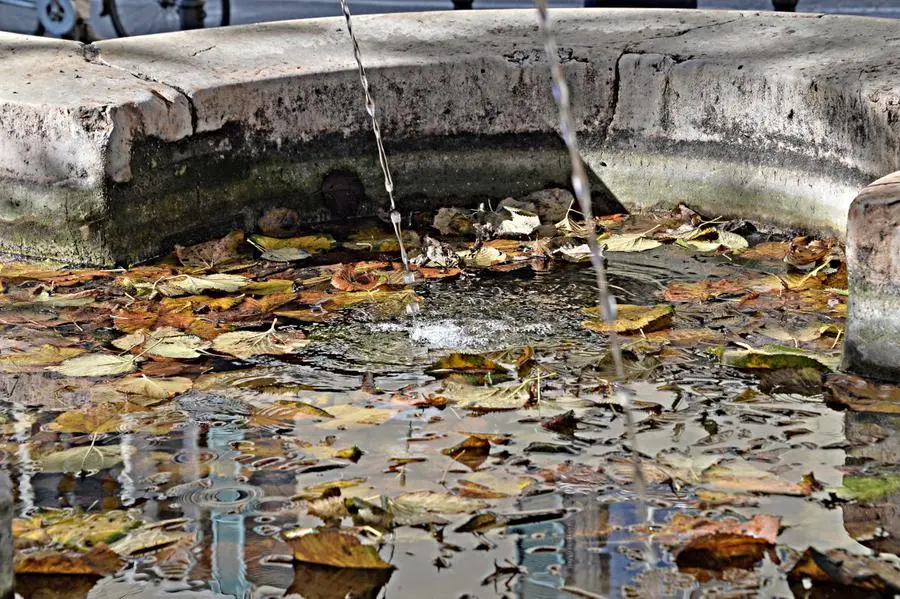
pixel 483 257
pixel 170 343
pixel 769 250
pixel 75 460
pixel 739 475
pixel 45 355
pixel 104 418
pixel 73 528
pixel 285 254
pixel 336 549
pixel 310 243
pixel 439 503
pixel 489 485
pixel 150 538
pixel 489 398
pixel 346 415
pixel 188 285
pixel 522 222
pixel 96 365
pixel 98 561
pixel 575 253
pixel 246 344
pixel 154 388
pixel 857 394
pixel 465 363
pixel 217 254
pixel 777 356
pixel 472 452
pixel 285 414
pixel 272 286
pixel 632 319
pixel 730 545
pixel 628 242
pixel 846 574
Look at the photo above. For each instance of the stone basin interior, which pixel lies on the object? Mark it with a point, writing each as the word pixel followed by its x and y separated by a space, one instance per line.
pixel 124 148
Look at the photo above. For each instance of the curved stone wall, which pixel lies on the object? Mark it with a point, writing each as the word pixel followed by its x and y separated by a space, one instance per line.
pixel 112 152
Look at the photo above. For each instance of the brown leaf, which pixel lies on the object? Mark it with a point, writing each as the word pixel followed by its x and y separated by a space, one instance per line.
pixel 104 418
pixel 472 452
pixel 99 561
pixel 769 250
pixel 323 582
pixel 466 363
pixel 214 256
pixel 19 272
pixel 843 569
pixel 856 394
pixel 329 547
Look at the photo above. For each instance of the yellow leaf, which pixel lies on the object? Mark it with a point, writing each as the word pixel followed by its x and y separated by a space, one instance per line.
pixel 310 243
pixel 246 344
pixel 269 287
pixel 632 319
pixel 44 355
pixel 337 550
pixel 96 365
pixel 153 387
pixel 104 418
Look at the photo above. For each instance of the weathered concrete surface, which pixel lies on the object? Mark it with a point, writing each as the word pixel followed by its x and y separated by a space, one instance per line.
pixel 872 345
pixel 782 117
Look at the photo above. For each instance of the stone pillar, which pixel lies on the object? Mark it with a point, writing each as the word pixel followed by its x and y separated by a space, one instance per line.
pixel 872 346
pixel 6 539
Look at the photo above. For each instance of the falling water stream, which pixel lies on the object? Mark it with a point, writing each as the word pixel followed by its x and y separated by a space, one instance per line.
pixel 605 299
pixel 376 129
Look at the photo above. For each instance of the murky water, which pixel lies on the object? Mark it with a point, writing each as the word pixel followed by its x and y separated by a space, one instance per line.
pixel 218 476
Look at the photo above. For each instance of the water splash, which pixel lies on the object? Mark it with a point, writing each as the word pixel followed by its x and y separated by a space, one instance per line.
pixel 581 186
pixel 376 128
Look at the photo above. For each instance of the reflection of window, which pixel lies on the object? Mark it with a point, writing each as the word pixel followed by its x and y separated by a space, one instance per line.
pixel 564 552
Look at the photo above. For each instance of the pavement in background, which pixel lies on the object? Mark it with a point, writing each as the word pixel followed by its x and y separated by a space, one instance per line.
pixel 252 11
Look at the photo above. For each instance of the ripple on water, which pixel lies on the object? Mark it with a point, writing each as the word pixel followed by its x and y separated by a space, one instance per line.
pixel 220 496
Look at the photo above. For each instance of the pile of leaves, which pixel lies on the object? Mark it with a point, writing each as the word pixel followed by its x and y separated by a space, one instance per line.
pixel 96 358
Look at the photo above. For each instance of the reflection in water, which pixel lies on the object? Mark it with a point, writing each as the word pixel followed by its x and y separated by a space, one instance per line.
pixel 237 477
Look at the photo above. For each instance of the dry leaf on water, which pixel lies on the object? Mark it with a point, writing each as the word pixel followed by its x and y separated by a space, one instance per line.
pixel 99 561
pixel 628 242
pixel 777 356
pixel 632 319
pixel 246 344
pixel 72 528
pixel 189 285
pixel 92 458
pixel 308 243
pixel 154 388
pixel 150 538
pixel 45 355
pixel 104 418
pixel 335 549
pixel 96 365
pixel 465 363
pixel 853 575
pixel 285 255
pixel 472 452
pixel 857 394
pixel 489 398
pixel 218 254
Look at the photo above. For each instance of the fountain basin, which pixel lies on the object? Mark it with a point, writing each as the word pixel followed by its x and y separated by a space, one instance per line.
pixel 113 152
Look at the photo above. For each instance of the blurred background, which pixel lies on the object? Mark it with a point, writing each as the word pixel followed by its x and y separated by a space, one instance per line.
pixel 253 11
